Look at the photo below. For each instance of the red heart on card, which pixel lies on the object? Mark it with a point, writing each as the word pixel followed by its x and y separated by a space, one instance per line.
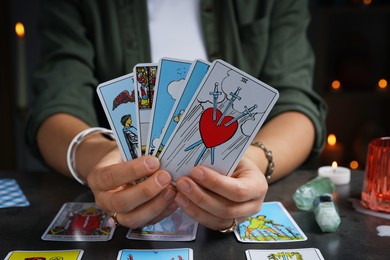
pixel 213 134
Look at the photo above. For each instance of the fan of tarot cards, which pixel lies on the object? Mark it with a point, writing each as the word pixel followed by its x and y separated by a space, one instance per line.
pixel 186 113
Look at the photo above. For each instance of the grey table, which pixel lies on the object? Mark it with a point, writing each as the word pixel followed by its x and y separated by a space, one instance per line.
pixel 356 238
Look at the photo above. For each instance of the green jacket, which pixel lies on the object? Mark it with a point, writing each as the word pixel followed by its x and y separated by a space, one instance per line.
pixel 91 41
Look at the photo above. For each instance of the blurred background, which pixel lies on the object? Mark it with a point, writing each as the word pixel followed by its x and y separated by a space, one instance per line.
pixel 350 38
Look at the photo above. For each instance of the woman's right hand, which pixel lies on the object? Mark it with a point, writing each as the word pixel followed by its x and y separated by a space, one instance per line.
pixel 136 205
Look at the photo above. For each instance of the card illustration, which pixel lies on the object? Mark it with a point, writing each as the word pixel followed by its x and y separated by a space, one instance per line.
pixel 225 114
pixel 284 254
pixel 79 222
pixel 156 254
pixel 119 101
pixel 176 227
pixel 46 255
pixel 272 224
pixel 195 76
pixel 169 86
pixel 146 74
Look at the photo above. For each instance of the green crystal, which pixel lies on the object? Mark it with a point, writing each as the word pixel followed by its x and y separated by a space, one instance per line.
pixel 326 213
pixel 305 195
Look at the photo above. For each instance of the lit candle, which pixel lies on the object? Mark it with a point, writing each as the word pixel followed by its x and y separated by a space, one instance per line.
pixel 21 68
pixel 338 175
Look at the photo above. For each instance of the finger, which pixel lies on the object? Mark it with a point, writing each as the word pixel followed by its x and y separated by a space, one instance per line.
pixel 151 212
pixel 132 196
pixel 199 198
pixel 113 176
pixel 203 217
pixel 249 184
pixel 166 213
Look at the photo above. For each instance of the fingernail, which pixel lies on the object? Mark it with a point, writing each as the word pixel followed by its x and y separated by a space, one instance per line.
pixel 181 201
pixel 183 186
pixel 197 173
pixel 169 195
pixel 152 163
pixel 163 178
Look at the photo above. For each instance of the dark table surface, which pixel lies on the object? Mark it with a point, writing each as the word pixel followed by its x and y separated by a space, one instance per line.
pixel 356 238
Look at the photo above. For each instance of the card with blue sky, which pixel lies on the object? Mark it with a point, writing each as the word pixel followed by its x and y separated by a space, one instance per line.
pixel 156 254
pixel 272 224
pixel 195 76
pixel 169 86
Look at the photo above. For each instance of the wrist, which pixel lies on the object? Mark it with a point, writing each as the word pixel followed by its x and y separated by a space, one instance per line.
pixel 267 154
pixel 86 150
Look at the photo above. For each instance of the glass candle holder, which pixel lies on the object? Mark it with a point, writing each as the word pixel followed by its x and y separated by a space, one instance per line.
pixel 376 186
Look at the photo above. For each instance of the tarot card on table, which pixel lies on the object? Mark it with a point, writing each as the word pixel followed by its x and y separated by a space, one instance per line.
pixel 284 254
pixel 272 224
pixel 176 227
pixel 75 254
pixel 80 221
pixel 11 195
pixel 156 254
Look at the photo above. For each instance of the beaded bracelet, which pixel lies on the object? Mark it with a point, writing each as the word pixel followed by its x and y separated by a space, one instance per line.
pixel 268 155
pixel 77 140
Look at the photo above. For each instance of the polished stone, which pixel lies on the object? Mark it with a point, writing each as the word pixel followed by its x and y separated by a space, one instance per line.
pixel 326 213
pixel 304 196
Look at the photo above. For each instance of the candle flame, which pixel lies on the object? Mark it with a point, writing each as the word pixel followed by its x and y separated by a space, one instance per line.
pixel 334 164
pixel 332 139
pixel 19 29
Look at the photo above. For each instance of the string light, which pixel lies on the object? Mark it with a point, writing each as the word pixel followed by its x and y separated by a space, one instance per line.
pixel 382 84
pixel 336 85
pixel 354 165
pixel 367 2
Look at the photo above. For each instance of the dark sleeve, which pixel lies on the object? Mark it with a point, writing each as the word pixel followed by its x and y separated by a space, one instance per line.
pixel 289 67
pixel 64 81
pixel 268 40
pixel 81 47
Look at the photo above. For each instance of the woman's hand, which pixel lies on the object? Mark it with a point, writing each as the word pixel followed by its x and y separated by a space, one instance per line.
pixel 138 205
pixel 215 200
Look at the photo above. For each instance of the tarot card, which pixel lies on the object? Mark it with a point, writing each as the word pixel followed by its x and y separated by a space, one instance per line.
pixel 75 254
pixel 145 74
pixel 77 221
pixel 221 121
pixel 176 227
pixel 169 86
pixel 272 224
pixel 11 195
pixel 195 76
pixel 120 103
pixel 156 254
pixel 282 254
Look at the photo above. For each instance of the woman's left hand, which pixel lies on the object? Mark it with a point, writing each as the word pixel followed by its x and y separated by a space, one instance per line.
pixel 215 200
